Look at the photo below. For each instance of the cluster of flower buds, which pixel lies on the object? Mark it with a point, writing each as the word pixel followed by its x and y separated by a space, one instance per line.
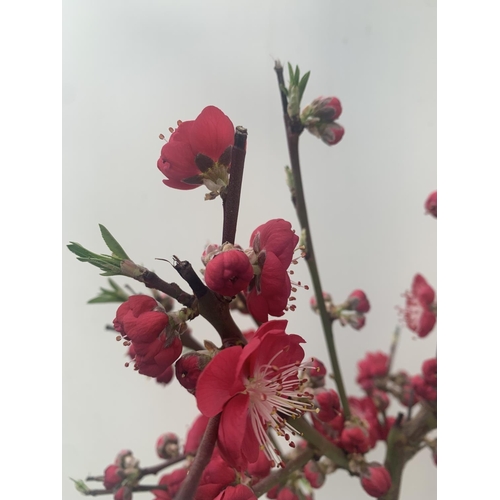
pixel 351 312
pixel 425 385
pixel 260 272
pixel 121 476
pixel 320 119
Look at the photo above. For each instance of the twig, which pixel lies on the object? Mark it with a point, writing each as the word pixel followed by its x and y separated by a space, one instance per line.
pixel 394 344
pixel 152 280
pixel 231 201
pixel 203 456
pixel 157 468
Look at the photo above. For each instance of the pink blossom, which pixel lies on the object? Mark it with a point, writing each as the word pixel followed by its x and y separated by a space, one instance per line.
pixel 252 386
pixel 167 445
pixel 374 365
pixel 206 140
pixel 273 244
pixel 229 272
pixel 357 301
pixel 419 313
pixel 376 480
pixel 113 475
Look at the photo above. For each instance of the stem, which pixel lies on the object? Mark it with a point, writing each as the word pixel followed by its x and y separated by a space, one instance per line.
pixel 403 443
pixel 157 468
pixel 231 201
pixel 282 475
pixel 319 442
pixel 152 280
pixel 394 344
pixel 203 455
pixel 293 130
pixel 140 487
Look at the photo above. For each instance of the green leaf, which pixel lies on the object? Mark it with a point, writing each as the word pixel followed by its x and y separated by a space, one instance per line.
pixel 302 84
pixel 114 285
pixel 80 486
pixel 113 245
pixel 290 73
pixel 296 77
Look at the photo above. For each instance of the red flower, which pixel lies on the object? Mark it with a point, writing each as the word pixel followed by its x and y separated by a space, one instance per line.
pixel 431 204
pixel 376 481
pixel 273 244
pixel 419 313
pixel 229 272
pixel 195 434
pixel 328 403
pixel 198 151
pixel 251 386
pixel 374 365
pixel 429 370
pixel 354 439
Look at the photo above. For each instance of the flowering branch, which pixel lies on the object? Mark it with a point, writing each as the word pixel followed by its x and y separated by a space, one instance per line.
pixel 203 455
pixel 140 487
pixel 293 129
pixel 281 475
pixel 231 199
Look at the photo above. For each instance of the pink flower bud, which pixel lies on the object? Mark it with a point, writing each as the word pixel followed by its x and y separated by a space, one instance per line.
pixel 317 373
pixel 189 367
pixel 124 459
pixel 331 133
pixel 380 399
pixel 374 365
pixel 376 481
pixel 322 109
pixel 228 273
pixel 166 376
pixel 358 302
pixel 419 313
pixel 431 204
pixel 354 439
pixel 113 475
pixel 429 370
pixel 167 446
pixel 314 304
pixel 328 403
pixel 422 389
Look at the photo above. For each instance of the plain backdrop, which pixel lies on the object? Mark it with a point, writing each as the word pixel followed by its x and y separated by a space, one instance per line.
pixel 131 70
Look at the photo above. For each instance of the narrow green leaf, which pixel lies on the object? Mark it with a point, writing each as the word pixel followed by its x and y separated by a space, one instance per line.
pixel 296 77
pixel 113 245
pixel 290 73
pixel 303 84
pixel 114 285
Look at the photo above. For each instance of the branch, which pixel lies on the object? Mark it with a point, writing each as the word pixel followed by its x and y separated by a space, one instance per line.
pixel 140 487
pixel 157 468
pixel 204 454
pixel 231 200
pixel 152 280
pixel 293 131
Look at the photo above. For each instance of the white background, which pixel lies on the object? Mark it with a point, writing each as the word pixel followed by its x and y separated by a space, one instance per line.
pixel 131 70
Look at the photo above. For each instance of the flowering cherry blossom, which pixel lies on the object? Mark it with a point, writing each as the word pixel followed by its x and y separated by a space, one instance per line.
pixel 252 386
pixel 419 313
pixel 199 151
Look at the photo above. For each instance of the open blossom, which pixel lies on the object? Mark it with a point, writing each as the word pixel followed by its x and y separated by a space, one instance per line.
pixel 252 386
pixel 273 244
pixel 239 492
pixel 199 152
pixel 419 313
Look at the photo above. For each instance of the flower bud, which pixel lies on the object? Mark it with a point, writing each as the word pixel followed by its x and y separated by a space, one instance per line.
pixel 380 399
pixel 167 446
pixel 314 304
pixel 357 320
pixel 317 373
pixel 228 273
pixel 429 370
pixel 113 475
pixel 376 480
pixel 126 461
pixel 323 110
pixel 328 403
pixel 354 439
pixel 330 133
pixel 422 389
pixel 358 302
pixel 124 493
pixel 189 367
pixel 431 204
pixel 210 251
